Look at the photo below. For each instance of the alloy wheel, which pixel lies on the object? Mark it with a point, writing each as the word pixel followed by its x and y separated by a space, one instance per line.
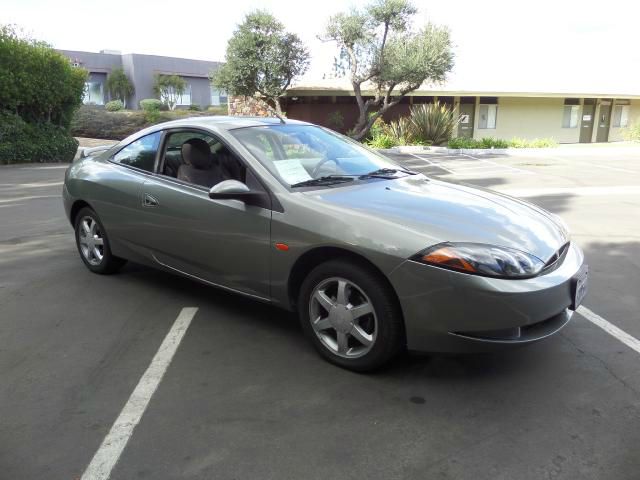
pixel 343 318
pixel 91 240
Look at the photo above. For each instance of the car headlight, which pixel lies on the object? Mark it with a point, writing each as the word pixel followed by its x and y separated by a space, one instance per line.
pixel 481 259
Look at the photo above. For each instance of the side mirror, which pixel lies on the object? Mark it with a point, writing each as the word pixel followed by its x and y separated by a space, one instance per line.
pixel 235 190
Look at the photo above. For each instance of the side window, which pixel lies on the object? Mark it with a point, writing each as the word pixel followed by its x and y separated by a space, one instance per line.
pixel 141 153
pixel 204 161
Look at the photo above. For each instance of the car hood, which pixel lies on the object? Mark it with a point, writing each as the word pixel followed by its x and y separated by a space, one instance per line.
pixel 433 211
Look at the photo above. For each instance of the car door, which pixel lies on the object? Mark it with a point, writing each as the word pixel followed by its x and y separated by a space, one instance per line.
pixel 224 242
pixel 116 194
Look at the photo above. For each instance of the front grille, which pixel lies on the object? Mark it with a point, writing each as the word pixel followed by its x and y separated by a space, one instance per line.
pixel 556 259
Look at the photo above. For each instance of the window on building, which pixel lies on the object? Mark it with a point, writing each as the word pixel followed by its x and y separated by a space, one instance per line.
pixel 218 97
pixel 570 116
pixel 185 98
pixel 141 153
pixel 93 93
pixel 488 115
pixel 570 113
pixel 621 113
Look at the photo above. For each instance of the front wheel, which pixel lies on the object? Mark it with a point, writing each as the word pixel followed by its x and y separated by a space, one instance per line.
pixel 93 244
pixel 351 315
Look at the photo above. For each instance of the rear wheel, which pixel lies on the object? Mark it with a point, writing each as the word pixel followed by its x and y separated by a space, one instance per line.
pixel 350 315
pixel 93 244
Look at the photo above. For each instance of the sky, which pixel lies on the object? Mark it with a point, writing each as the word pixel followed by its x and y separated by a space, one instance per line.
pixel 588 46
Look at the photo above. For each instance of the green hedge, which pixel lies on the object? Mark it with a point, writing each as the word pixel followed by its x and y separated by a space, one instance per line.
pixel 488 142
pixel 39 92
pixel 34 142
pixel 151 104
pixel 37 82
pixel 114 106
pixel 95 122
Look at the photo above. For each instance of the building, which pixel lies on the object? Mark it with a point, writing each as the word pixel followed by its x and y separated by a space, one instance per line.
pixel 141 70
pixel 568 115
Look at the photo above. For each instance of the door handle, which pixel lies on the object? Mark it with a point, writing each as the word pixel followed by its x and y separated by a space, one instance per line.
pixel 149 201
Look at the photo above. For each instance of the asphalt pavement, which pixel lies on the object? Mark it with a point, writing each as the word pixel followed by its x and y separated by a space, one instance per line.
pixel 245 397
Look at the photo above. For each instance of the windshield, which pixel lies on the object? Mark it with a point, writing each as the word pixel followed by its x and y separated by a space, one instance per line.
pixel 300 154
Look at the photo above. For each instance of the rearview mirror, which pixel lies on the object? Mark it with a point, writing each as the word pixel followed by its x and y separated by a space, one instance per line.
pixel 235 190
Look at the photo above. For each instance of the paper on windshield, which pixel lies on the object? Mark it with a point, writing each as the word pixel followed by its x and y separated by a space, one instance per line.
pixel 292 170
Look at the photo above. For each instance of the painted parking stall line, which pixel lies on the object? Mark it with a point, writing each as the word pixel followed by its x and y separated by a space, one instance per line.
pixel 610 328
pixel 433 164
pixel 116 440
pixel 458 166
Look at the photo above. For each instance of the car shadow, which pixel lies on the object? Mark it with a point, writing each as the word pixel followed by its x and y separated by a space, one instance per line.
pixel 285 325
pixel 555 203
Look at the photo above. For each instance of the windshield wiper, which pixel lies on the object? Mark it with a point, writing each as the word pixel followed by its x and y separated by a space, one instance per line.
pixel 387 173
pixel 326 180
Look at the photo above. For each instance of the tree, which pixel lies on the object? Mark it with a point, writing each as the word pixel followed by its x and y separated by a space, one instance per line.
pixel 379 46
pixel 261 60
pixel 169 88
pixel 119 85
pixel 36 82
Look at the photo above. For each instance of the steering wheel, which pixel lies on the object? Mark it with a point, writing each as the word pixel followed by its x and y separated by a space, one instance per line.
pixel 319 165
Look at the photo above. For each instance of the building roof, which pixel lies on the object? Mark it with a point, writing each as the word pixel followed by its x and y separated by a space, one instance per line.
pixel 476 87
pixel 106 60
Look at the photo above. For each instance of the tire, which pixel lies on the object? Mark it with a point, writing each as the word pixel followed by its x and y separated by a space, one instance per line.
pixel 367 314
pixel 96 256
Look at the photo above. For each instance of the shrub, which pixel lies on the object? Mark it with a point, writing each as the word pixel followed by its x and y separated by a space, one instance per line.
pixel 535 143
pixel 194 108
pixel 335 121
pixel 114 106
pixel 34 142
pixel 490 142
pixel 401 130
pixel 432 123
pixel 463 142
pixel 382 140
pixel 218 110
pixel 150 104
pixel 632 132
pixel 95 122
pixel 36 82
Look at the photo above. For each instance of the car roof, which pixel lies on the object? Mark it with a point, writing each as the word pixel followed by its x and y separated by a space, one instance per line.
pixel 221 122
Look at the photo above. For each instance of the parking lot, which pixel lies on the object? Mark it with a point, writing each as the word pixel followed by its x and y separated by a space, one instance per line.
pixel 245 396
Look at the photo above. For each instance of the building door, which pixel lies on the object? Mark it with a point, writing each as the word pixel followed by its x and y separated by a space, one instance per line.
pixel 586 124
pixel 467 110
pixel 604 120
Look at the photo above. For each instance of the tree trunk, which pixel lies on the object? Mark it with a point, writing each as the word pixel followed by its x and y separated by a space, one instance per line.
pixel 365 122
pixel 276 101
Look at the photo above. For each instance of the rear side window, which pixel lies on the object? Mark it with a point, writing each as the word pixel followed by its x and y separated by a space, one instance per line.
pixel 141 153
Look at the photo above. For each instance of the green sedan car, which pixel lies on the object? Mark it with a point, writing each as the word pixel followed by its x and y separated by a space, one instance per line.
pixel 373 257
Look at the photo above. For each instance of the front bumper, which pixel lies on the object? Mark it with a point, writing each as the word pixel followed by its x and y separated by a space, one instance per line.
pixel 447 311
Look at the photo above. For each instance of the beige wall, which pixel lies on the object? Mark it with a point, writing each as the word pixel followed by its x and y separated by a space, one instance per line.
pixel 617 134
pixel 529 118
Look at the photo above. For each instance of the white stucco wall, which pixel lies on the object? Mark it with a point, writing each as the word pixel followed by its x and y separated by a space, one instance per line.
pixel 529 118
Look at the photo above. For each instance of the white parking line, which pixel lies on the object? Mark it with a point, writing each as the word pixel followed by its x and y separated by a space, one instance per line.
pixel 508 167
pixel 611 329
pixel 55 167
pixel 432 163
pixel 31 197
pixel 113 444
pixel 593 164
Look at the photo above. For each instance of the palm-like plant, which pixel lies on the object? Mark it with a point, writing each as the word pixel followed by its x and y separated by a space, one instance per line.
pixel 401 130
pixel 432 123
